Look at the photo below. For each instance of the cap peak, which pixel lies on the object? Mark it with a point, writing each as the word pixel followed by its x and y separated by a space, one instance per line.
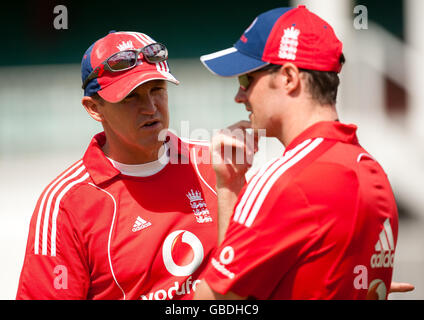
pixel 278 36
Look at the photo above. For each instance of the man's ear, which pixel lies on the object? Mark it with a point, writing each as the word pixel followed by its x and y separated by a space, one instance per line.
pixel 290 78
pixel 92 107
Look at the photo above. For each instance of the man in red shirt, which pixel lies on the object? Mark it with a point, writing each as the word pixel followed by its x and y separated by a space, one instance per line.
pixel 321 221
pixel 135 218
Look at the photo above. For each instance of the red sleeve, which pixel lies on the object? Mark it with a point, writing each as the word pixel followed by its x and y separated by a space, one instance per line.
pixel 63 275
pixel 245 263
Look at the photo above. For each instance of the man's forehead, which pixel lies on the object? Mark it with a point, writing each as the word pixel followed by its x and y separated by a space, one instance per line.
pixel 149 84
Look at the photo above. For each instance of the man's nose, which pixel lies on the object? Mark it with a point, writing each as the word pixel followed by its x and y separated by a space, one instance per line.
pixel 148 105
pixel 240 96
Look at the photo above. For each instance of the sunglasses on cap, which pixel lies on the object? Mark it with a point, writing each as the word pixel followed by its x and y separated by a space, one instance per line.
pixel 127 59
pixel 245 79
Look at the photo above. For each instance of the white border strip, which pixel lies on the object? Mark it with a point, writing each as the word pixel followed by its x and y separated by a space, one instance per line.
pixel 48 207
pixel 198 173
pixel 276 176
pixel 360 156
pixel 162 67
pixel 56 212
pixel 135 35
pixel 40 209
pixel 259 180
pixel 217 54
pixel 205 58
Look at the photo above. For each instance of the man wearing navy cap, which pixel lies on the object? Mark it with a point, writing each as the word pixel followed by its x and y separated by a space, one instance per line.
pixel 135 218
pixel 306 222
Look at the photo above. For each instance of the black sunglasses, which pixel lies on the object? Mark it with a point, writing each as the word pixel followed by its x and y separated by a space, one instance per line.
pixel 244 80
pixel 127 59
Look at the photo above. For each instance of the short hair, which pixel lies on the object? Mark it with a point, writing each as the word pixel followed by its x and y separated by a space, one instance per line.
pixel 98 98
pixel 323 85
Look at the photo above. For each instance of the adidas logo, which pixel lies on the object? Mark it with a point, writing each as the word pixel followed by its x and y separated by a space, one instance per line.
pixel 140 224
pixel 385 248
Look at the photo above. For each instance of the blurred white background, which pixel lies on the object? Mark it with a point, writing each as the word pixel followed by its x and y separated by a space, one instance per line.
pixel 44 128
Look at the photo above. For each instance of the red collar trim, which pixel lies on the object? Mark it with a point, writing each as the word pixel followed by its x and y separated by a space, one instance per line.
pixel 102 170
pixel 332 130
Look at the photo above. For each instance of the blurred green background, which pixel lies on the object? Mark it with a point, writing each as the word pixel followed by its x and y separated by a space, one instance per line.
pixel 40 81
pixel 188 28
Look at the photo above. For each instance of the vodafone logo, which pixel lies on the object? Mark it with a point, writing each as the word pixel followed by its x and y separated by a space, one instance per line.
pixel 227 255
pixel 182 253
pixel 377 290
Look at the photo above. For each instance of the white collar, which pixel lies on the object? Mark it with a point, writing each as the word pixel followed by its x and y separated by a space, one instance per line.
pixel 144 169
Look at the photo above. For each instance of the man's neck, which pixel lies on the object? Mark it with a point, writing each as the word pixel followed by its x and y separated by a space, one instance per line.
pixel 131 156
pixel 300 121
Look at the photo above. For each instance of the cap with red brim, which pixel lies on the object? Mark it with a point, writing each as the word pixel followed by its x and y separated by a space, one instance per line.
pixel 115 86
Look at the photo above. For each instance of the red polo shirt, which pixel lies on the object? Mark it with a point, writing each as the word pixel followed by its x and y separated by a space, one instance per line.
pixel 318 223
pixel 99 234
